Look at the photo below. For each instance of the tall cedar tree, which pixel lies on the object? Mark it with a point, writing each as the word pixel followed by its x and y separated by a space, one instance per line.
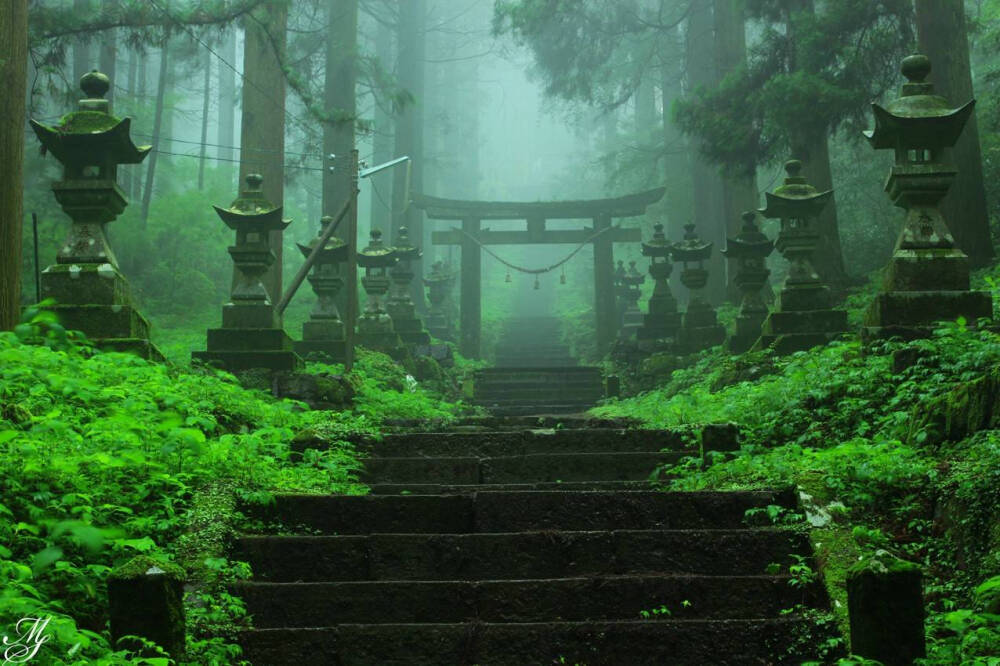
pixel 13 77
pixel 813 70
pixel 942 36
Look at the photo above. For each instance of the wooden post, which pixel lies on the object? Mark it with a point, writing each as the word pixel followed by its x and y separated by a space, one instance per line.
pixel 351 313
pixel 604 285
pixel 471 298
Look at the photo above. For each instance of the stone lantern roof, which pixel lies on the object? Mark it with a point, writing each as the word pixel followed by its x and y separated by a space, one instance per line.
pixel 919 118
pixel 692 248
pixel 750 242
pixel 796 198
pixel 251 211
pixel 659 246
pixel 335 250
pixel 405 250
pixel 91 134
pixel 376 254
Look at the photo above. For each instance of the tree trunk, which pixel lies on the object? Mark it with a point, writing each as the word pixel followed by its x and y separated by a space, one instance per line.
pixel 109 55
pixel 811 146
pixel 411 57
pixel 227 100
pixel 13 77
pixel 341 102
pixel 82 62
pixel 205 106
pixel 128 171
pixel 263 132
pixel 161 88
pixel 383 141
pixel 739 194
pixel 943 38
pixel 679 203
pixel 138 96
pixel 709 217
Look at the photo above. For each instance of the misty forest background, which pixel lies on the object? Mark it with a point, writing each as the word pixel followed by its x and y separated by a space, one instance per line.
pixel 105 456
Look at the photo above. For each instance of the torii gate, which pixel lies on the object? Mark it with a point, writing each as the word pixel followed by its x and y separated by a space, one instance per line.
pixel 473 213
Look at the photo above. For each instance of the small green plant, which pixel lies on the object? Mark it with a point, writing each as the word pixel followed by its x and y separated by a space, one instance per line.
pixel 658 612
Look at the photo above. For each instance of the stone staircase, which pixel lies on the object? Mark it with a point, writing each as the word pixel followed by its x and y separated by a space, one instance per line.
pixel 533 343
pixel 521 391
pixel 522 548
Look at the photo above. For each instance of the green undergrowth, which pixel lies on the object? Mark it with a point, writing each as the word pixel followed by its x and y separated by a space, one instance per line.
pixel 105 456
pixel 869 447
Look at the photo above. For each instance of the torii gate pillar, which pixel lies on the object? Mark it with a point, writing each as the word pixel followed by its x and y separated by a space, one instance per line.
pixel 470 302
pixel 604 285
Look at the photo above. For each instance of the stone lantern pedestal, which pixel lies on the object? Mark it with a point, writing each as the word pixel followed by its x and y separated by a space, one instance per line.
pixel 632 319
pixel 323 335
pixel 439 284
pixel 663 320
pixel 700 328
pixel 750 248
pixel 251 336
pixel 400 305
pixel 90 291
pixel 375 329
pixel 927 280
pixel 803 316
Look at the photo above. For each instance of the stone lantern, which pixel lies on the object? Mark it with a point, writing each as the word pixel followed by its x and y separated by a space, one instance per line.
pixel 663 320
pixel 621 292
pixel 375 329
pixel 700 328
pixel 749 249
pixel 632 319
pixel 323 334
pixel 400 305
pixel 439 284
pixel 803 316
pixel 90 291
pixel 928 277
pixel 251 335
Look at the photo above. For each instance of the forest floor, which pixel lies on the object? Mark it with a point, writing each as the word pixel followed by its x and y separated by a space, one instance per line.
pixel 106 456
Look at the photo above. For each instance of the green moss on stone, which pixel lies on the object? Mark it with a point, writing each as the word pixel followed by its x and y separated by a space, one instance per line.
pixel 87 122
pixel 137 567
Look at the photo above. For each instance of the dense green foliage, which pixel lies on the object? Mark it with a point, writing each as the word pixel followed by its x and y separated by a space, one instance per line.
pixel 106 456
pixel 870 446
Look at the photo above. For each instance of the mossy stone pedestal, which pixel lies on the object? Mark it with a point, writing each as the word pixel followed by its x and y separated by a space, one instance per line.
pixel 439 285
pixel 375 328
pixel 803 316
pixel 663 320
pixel 400 304
pixel 632 318
pixel 927 280
pixel 323 335
pixel 886 610
pixel 750 248
pixel 700 327
pixel 90 291
pixel 146 599
pixel 251 336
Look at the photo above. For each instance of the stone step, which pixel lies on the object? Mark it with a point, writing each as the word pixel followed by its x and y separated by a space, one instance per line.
pixel 275 605
pixel 553 409
pixel 450 489
pixel 518 555
pixel 545 390
pixel 607 643
pixel 530 468
pixel 517 511
pixel 535 441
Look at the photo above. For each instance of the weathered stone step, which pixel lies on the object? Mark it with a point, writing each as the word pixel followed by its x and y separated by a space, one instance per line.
pixel 604 643
pixel 520 409
pixel 565 599
pixel 517 511
pixel 520 555
pixel 533 467
pixel 493 444
pixel 564 486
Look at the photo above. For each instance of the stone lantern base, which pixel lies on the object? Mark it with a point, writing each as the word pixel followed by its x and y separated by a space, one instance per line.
pixel 748 330
pixel 407 324
pixel 95 299
pixel 376 332
pixel 249 339
pixel 924 287
pixel 322 341
pixel 700 330
pixel 440 327
pixel 802 319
